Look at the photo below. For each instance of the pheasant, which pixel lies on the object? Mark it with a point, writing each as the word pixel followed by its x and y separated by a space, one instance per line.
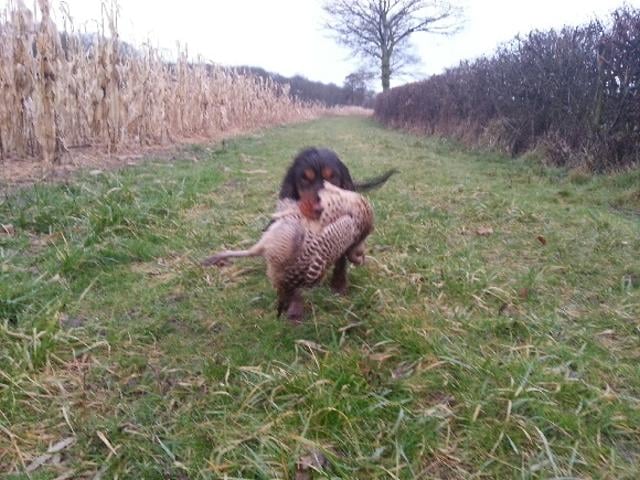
pixel 299 251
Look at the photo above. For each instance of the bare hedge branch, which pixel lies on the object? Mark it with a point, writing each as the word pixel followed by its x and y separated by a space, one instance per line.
pixel 575 92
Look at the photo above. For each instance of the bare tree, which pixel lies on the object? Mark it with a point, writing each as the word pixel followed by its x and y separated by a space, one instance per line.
pixel 356 87
pixel 379 30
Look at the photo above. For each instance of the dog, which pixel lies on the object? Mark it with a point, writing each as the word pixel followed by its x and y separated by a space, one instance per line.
pixel 299 251
pixel 305 178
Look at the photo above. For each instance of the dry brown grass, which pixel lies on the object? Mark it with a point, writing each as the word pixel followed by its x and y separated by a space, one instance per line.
pixel 57 95
pixel 350 110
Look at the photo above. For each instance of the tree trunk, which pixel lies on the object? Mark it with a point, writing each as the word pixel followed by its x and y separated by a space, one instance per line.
pixel 385 73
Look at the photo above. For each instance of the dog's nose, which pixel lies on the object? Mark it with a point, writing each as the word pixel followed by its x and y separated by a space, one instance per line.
pixel 317 210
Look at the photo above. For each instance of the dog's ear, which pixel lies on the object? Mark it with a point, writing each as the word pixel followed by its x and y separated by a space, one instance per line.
pixel 289 189
pixel 346 182
pixel 332 159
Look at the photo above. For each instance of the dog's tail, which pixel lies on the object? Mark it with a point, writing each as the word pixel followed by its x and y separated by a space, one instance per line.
pixel 375 182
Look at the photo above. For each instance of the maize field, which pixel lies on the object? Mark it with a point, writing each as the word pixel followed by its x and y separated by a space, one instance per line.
pixel 59 91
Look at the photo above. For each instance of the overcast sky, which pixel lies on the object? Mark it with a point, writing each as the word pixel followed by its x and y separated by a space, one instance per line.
pixel 286 36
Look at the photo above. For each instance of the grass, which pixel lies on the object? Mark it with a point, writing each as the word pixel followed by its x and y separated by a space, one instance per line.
pixel 493 332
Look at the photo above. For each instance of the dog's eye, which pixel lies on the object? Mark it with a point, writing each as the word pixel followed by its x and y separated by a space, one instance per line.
pixel 328 173
pixel 309 174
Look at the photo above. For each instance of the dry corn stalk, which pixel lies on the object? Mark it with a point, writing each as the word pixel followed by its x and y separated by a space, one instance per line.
pixel 46 124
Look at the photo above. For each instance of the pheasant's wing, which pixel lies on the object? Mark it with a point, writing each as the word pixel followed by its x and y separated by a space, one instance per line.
pixel 320 251
pixel 283 241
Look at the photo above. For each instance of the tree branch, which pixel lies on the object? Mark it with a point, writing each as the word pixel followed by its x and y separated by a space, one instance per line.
pixel 380 29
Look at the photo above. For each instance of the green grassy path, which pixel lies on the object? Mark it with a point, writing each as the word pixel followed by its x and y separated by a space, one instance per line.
pixel 494 331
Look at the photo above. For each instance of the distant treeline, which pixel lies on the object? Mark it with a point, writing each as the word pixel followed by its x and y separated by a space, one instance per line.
pixel 352 93
pixel 573 92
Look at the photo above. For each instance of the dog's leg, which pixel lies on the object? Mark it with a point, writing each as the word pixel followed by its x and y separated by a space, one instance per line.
pixel 295 312
pixel 293 303
pixel 339 278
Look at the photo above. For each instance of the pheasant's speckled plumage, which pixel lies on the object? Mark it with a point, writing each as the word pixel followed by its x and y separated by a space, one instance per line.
pixel 299 251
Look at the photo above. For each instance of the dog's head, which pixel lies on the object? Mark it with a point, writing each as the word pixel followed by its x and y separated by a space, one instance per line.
pixel 306 176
